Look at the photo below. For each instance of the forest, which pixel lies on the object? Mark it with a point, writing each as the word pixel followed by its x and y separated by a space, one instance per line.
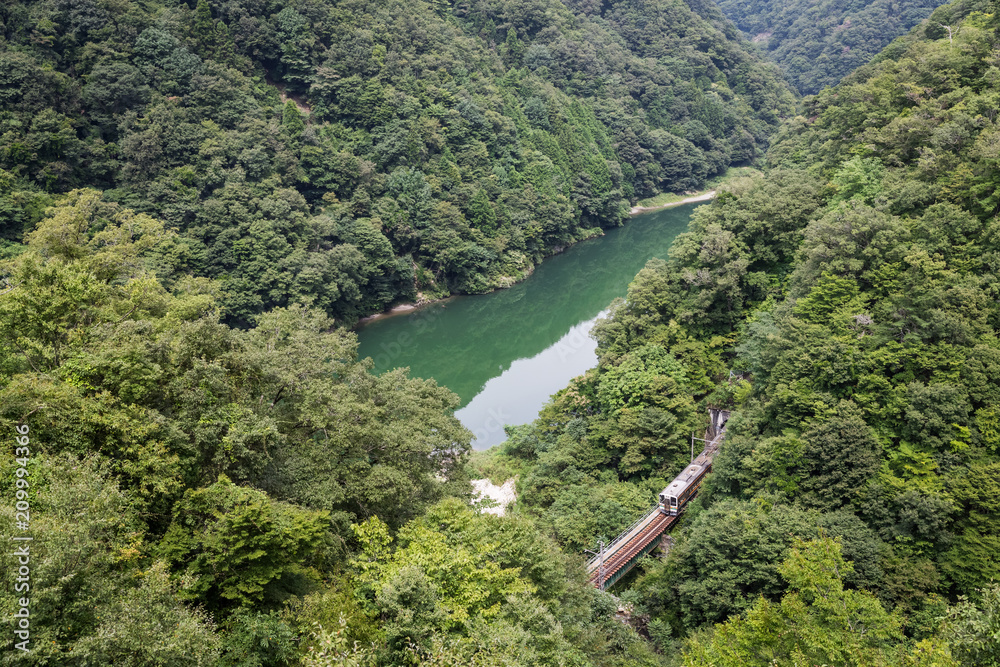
pixel 196 199
pixel 346 156
pixel 207 495
pixel 845 306
pixel 819 43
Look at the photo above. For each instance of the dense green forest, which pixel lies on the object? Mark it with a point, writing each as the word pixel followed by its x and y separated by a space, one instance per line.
pixel 207 495
pixel 195 197
pixel 845 306
pixel 343 156
pixel 819 43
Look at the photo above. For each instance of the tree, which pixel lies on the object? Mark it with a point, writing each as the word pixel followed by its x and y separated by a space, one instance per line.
pixel 817 622
pixel 972 561
pixel 479 586
pixel 238 548
pixel 291 120
pixel 648 409
pixel 732 556
pixel 203 30
pixel 481 213
pixel 148 626
pixel 859 178
pixel 513 48
pixel 973 628
pixel 92 596
pixel 840 457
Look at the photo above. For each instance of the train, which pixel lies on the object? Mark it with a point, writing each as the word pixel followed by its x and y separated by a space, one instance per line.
pixel 685 486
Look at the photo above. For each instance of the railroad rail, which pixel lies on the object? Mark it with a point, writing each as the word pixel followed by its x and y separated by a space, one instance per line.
pixel 616 559
pixel 610 566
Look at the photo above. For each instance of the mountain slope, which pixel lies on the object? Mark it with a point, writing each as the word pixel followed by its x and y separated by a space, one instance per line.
pixel 844 304
pixel 818 43
pixel 349 155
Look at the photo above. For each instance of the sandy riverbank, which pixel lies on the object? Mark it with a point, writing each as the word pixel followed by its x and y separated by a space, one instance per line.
pixel 398 310
pixel 636 210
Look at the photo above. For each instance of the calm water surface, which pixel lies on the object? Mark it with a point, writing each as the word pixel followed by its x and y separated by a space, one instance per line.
pixel 506 353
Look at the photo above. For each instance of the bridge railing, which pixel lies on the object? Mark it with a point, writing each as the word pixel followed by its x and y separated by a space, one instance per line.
pixel 713 438
pixel 612 546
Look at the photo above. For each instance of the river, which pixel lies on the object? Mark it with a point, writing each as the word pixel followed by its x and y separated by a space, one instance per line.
pixel 507 352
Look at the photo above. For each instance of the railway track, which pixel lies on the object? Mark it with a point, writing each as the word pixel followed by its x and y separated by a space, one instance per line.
pixel 613 562
pixel 636 545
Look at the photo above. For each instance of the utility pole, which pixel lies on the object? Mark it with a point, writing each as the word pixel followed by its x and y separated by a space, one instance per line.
pixel 600 566
pixel 707 442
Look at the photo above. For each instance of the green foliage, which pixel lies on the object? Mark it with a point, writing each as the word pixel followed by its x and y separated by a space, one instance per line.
pixel 267 135
pixel 859 178
pixel 817 622
pixel 255 639
pixel 237 546
pixel 829 295
pixel 819 43
pixel 148 626
pixel 973 626
pixel 840 457
pixel 641 378
pixel 184 468
pixel 852 291
pixel 90 602
pixel 971 563
pixel 467 589
pixel 176 399
pixel 730 556
pixel 845 301
pixel 328 648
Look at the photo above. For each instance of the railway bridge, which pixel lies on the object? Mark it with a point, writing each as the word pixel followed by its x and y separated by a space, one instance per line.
pixel 616 559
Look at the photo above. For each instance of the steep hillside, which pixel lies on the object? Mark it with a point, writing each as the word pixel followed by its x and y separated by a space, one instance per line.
pixel 193 197
pixel 818 43
pixel 198 495
pixel 845 306
pixel 347 155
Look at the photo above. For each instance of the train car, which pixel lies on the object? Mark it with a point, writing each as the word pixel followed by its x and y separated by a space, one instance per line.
pixel 684 487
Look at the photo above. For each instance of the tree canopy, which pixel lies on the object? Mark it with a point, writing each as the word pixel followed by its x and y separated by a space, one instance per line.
pixel 346 157
pixel 819 43
pixel 843 305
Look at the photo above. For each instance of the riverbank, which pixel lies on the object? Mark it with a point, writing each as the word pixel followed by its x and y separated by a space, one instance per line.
pixel 494 498
pixel 667 199
pixel 704 196
pixel 422 302
pixel 402 309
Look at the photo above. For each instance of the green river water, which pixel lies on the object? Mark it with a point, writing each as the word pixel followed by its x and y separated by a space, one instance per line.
pixel 507 352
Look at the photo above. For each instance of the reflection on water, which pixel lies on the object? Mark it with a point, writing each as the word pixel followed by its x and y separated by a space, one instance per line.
pixel 516 395
pixel 505 353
